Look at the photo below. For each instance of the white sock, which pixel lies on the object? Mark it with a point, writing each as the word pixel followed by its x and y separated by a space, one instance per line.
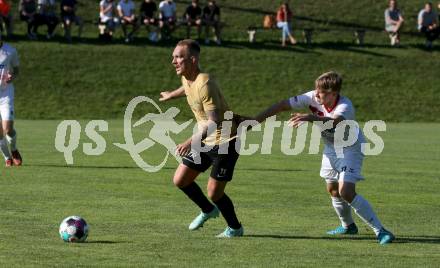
pixel 366 213
pixel 343 210
pixel 12 140
pixel 4 148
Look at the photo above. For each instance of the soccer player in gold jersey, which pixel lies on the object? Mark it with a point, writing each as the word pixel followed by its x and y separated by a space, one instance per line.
pixel 210 110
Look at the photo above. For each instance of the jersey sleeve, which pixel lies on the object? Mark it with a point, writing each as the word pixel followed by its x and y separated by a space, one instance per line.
pixel 301 101
pixel 209 95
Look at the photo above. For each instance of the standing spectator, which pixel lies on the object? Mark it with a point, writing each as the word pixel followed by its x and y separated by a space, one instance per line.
pixel 393 22
pixel 284 22
pixel 126 10
pixel 193 17
pixel 6 16
pixel 68 16
pixel 428 24
pixel 167 17
pixel 107 9
pixel 28 12
pixel 46 15
pixel 148 17
pixel 211 18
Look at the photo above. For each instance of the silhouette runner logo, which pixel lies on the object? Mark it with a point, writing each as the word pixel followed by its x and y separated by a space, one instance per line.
pixel 163 124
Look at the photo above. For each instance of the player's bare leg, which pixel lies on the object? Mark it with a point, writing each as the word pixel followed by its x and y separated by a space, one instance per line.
pixel 216 192
pixel 184 179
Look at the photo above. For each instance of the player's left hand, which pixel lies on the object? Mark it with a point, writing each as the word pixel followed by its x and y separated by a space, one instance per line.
pixel 298 118
pixel 184 149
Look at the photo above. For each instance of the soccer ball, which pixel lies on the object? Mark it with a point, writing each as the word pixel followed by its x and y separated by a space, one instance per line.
pixel 74 229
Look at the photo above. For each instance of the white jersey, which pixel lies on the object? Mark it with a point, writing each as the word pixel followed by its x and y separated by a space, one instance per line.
pixel 109 14
pixel 343 107
pixel 8 61
pixel 167 9
pixel 126 8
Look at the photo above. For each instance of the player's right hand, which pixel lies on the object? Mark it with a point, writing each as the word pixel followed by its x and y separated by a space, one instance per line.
pixel 165 95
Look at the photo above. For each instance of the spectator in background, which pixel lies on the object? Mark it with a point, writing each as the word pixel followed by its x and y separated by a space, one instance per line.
pixel 167 16
pixel 193 17
pixel 6 16
pixel 46 15
pixel 148 18
pixel 284 22
pixel 428 24
pixel 28 13
pixel 68 16
pixel 126 10
pixel 393 22
pixel 107 9
pixel 211 19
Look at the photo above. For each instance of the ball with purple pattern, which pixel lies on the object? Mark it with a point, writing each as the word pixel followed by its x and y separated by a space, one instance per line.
pixel 74 229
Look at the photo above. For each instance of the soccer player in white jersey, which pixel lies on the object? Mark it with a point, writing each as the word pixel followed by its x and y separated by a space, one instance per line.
pixel 341 174
pixel 8 135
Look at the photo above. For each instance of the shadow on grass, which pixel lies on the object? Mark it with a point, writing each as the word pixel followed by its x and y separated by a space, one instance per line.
pixel 301 237
pixel 267 44
pixel 399 239
pixel 418 239
pixel 104 242
pixel 166 168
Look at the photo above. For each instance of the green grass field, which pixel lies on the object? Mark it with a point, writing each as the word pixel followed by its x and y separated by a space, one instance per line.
pixel 140 219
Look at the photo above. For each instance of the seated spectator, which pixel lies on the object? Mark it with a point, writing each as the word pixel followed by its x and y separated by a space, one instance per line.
pixel 126 10
pixel 428 24
pixel 46 15
pixel 107 9
pixel 167 17
pixel 28 13
pixel 393 22
pixel 68 16
pixel 148 18
pixel 193 17
pixel 284 22
pixel 6 17
pixel 211 19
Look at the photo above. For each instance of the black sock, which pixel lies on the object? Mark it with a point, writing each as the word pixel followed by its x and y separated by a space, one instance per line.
pixel 194 193
pixel 226 207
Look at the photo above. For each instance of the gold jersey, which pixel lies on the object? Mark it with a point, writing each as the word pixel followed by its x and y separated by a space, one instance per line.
pixel 204 95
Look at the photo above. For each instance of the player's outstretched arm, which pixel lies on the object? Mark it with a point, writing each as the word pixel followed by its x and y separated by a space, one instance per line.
pixel 279 107
pixel 168 95
pixel 298 118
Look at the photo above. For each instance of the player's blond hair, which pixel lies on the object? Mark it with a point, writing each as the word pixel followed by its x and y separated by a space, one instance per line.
pixel 192 46
pixel 329 81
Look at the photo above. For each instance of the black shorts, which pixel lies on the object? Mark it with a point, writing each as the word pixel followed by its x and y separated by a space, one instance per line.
pixel 223 164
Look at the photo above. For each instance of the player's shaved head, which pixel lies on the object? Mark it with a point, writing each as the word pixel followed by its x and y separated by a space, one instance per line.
pixel 329 81
pixel 192 46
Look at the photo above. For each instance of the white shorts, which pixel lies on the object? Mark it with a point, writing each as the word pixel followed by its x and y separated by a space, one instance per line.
pixel 7 103
pixel 347 169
